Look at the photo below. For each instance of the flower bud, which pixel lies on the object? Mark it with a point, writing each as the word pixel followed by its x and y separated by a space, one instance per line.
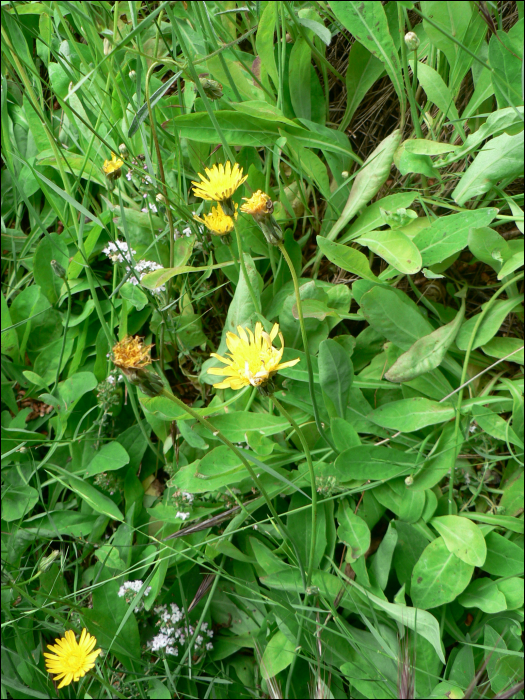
pixel 412 41
pixel 132 74
pixel 122 149
pixel 409 481
pixel 58 269
pixel 345 174
pixel 212 89
pixel 46 562
pixel 147 381
pixel 107 46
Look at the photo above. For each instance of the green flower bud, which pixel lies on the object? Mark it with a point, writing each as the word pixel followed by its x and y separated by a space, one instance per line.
pixel 412 41
pixel 46 562
pixel 123 151
pixel 58 269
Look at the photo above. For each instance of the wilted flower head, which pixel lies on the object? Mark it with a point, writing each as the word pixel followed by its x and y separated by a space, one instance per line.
pixel 71 660
pixel 217 222
pixel 130 353
pixel 252 358
pixel 112 168
pixel 260 206
pixel 222 182
pixel 212 89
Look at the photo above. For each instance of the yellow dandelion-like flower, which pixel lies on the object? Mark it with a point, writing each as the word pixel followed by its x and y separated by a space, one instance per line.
pixel 130 353
pixel 112 168
pixel 222 182
pixel 71 659
pixel 252 358
pixel 259 204
pixel 217 222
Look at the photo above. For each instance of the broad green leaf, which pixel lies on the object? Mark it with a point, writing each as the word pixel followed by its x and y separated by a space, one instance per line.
pixel 439 576
pixel 263 110
pixel 394 315
pixel 425 147
pixel 134 295
pixel 436 89
pixel 408 415
pixel 372 216
pixel 407 503
pixel 427 353
pixel 110 456
pixel 278 655
pixel 9 336
pixel 95 499
pixel 367 22
pixel 504 558
pixel 488 246
pixel 299 78
pixel 512 589
pixel 506 60
pixel 322 32
pixel 490 324
pixel 462 537
pixel 451 18
pixel 371 177
pixel 51 247
pixel 513 263
pixel 264 42
pixel 375 463
pixel 17 500
pixel 72 388
pixel 382 559
pixel 353 531
pixel 346 258
pixel 499 159
pixel 336 374
pixel 449 234
pixel 344 434
pixel 495 425
pixel 394 247
pixel 505 521
pixel 410 546
pixel 483 593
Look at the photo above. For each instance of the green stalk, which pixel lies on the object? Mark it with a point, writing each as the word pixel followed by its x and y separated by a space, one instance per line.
pixel 317 418
pixel 68 316
pixel 255 300
pixel 482 315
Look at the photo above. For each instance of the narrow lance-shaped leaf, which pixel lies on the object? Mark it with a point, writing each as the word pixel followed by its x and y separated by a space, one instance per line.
pixel 336 373
pixel 427 353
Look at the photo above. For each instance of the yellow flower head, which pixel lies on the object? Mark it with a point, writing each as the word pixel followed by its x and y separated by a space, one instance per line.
pixel 259 204
pixel 130 353
pixel 217 222
pixel 222 182
pixel 71 659
pixel 112 167
pixel 253 359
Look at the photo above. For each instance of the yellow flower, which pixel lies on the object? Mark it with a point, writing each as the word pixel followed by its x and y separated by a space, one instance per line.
pixel 112 168
pixel 222 182
pixel 71 659
pixel 130 353
pixel 253 359
pixel 217 222
pixel 259 204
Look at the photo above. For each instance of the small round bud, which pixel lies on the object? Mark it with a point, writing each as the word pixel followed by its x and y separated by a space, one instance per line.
pixel 412 41
pixel 132 74
pixel 107 46
pixel 345 174
pixel 123 151
pixel 58 269
pixel 409 480
pixel 160 197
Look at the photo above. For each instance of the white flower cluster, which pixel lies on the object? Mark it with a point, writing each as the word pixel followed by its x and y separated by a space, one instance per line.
pixel 142 268
pixel 151 206
pixel 119 251
pixel 183 499
pixel 129 589
pixel 172 633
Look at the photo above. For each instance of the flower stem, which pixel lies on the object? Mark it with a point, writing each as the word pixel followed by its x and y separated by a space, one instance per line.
pixel 255 301
pixel 308 456
pixel 317 418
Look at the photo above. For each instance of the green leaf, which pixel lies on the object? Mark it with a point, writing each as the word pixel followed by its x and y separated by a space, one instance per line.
pixel 462 537
pixel 499 159
pixel 264 41
pixel 278 655
pixel 372 216
pixel 72 388
pixel 512 589
pixel 408 415
pixel 367 22
pixel 110 456
pixel 9 336
pixel 322 32
pixel 375 463
pixel 427 353
pixel 506 61
pixel 300 529
pixel 436 90
pixel 133 294
pixel 299 78
pixel 371 177
pixel 449 234
pixel 513 263
pixel 382 559
pixel 346 258
pixel 490 324
pixel 143 112
pixel 362 72
pixel 51 247
pixel 394 247
pixel 94 499
pixel 488 246
pixel 483 594
pixel 353 531
pixel 17 500
pixel 495 425
pixel 439 576
pixel 504 558
pixel 336 374
pixel 394 315
pixel 453 19
pixel 263 110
